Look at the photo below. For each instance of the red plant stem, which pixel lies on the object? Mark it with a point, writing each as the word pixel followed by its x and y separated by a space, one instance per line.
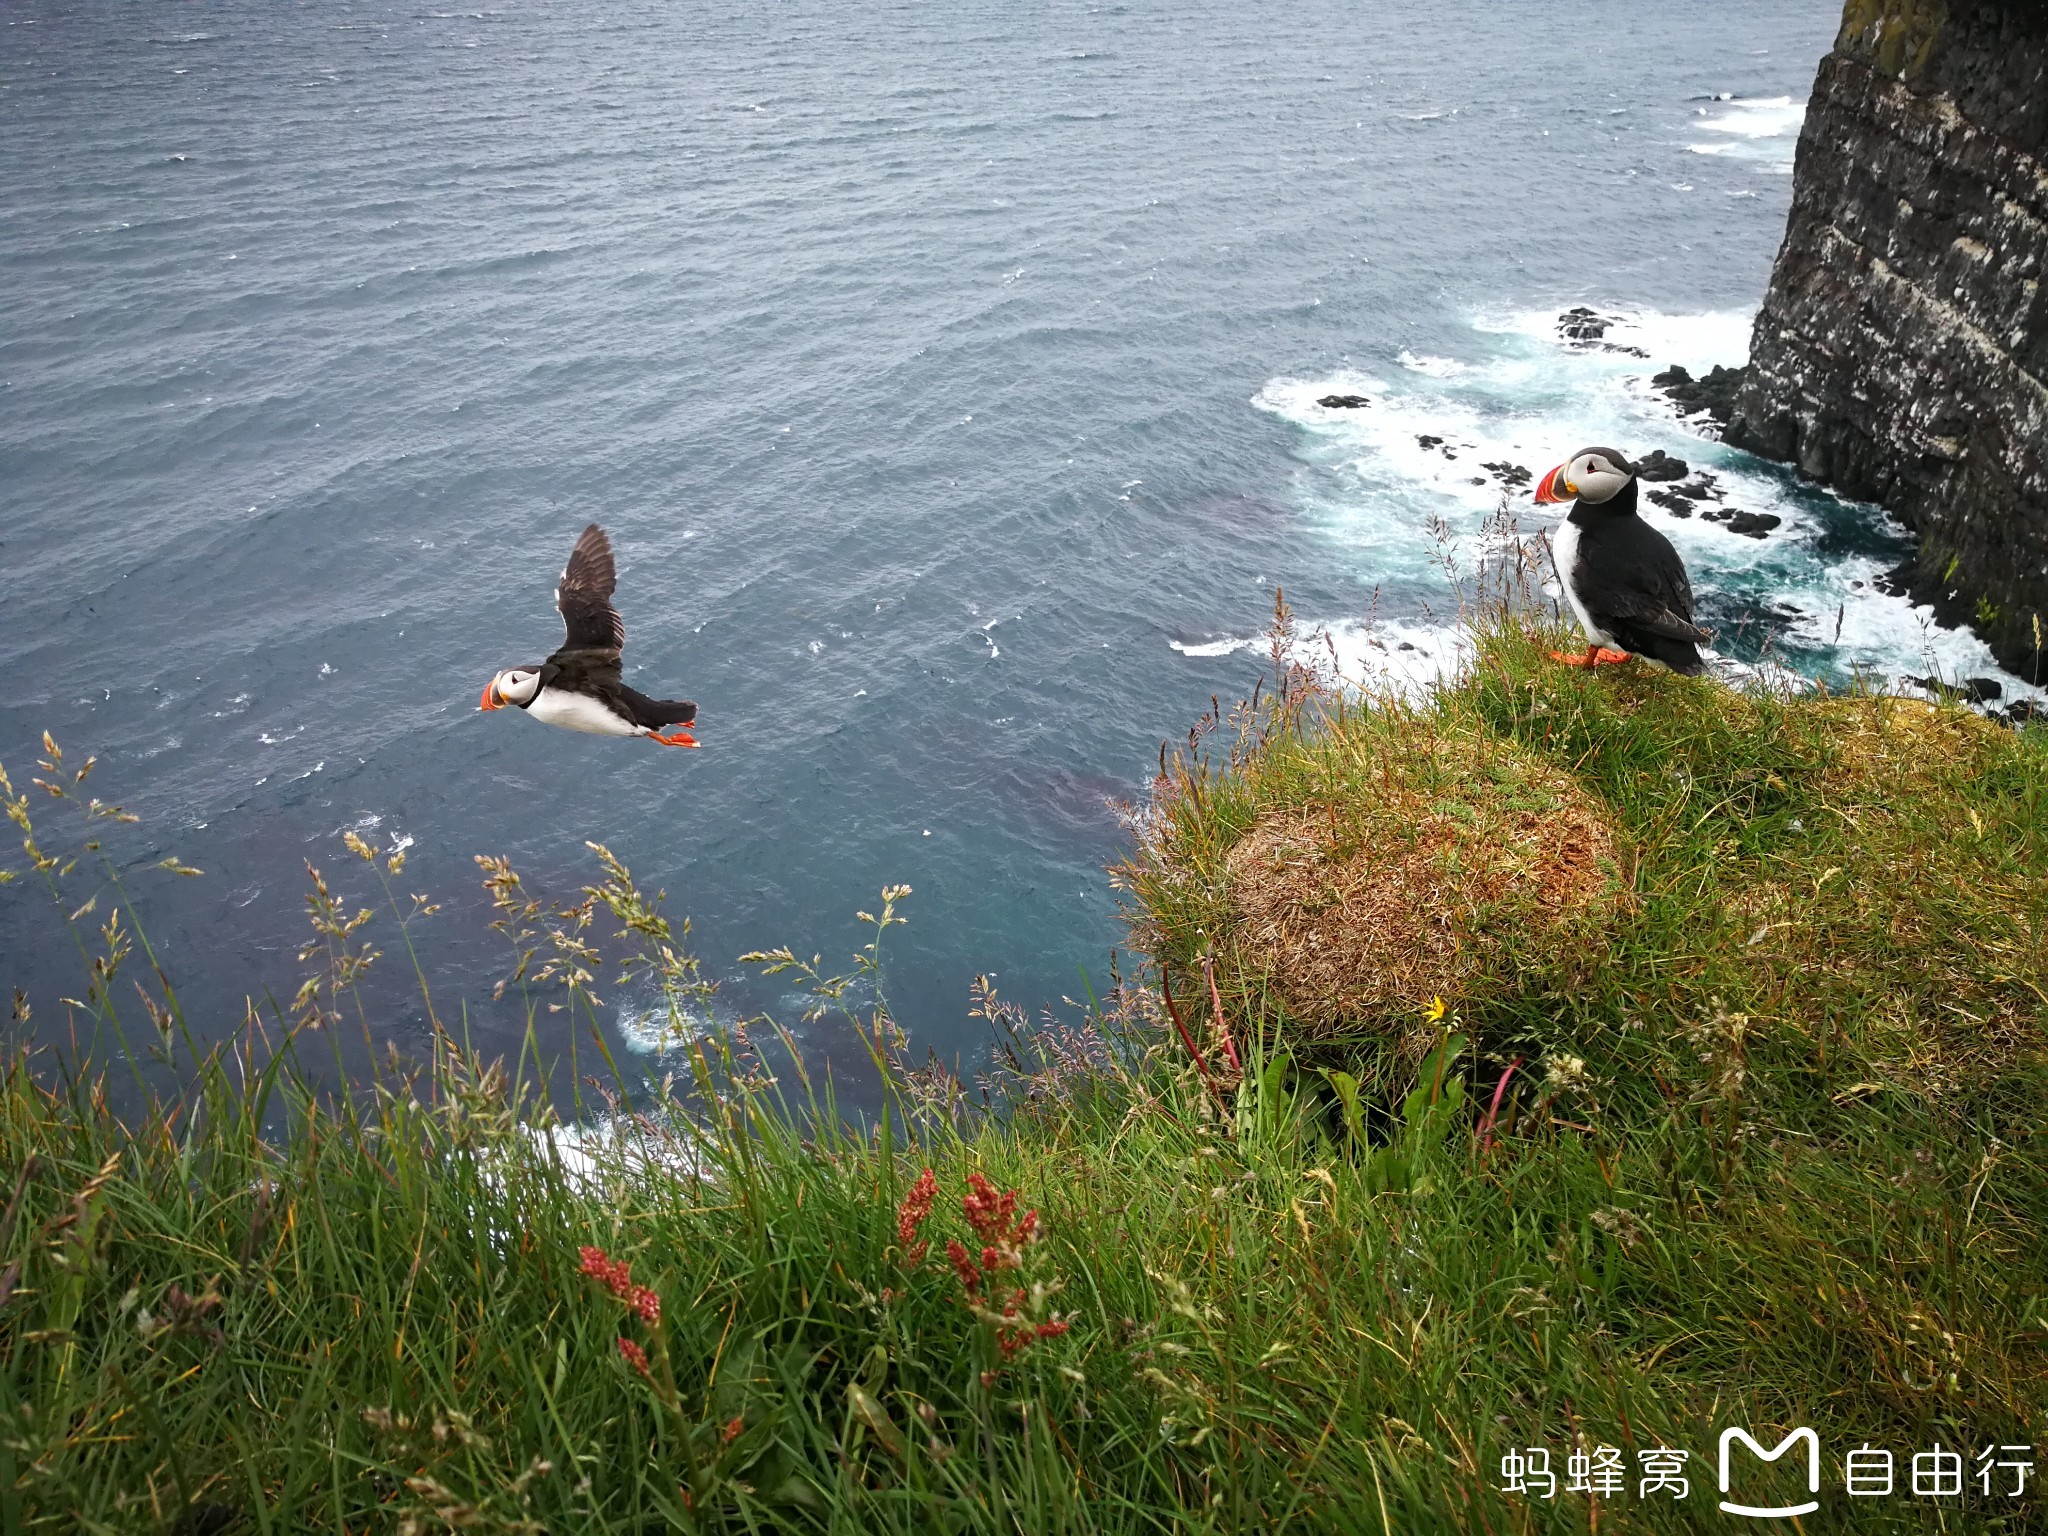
pixel 1186 1039
pixel 1499 1088
pixel 1216 1003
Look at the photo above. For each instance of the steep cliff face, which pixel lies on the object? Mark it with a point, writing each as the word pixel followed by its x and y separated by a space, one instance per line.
pixel 1901 351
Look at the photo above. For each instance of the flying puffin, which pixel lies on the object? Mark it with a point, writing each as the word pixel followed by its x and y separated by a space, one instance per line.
pixel 579 687
pixel 1623 579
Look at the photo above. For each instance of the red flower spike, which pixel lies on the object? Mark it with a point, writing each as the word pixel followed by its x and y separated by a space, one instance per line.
pixel 963 1265
pixel 615 1275
pixel 913 1255
pixel 916 1206
pixel 634 1355
pixel 987 1211
pixel 648 1305
pixel 731 1432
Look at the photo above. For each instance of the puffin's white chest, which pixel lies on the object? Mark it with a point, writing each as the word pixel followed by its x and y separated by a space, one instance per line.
pixel 1564 550
pixel 580 712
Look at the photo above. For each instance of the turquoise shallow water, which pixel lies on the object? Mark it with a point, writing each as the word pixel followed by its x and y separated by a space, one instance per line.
pixel 945 375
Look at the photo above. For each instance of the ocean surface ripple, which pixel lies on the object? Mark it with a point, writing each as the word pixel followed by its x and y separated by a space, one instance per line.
pixel 946 377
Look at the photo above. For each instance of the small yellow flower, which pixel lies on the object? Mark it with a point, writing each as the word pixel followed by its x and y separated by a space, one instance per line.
pixel 1434 1013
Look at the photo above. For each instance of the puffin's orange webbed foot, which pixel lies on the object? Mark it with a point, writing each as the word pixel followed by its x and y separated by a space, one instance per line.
pixel 1595 656
pixel 674 739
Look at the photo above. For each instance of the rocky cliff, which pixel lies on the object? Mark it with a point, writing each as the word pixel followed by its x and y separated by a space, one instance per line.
pixel 1901 351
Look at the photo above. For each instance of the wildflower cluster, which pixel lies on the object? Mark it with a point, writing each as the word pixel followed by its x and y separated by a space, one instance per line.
pixel 616 1276
pixel 910 1215
pixel 1003 1236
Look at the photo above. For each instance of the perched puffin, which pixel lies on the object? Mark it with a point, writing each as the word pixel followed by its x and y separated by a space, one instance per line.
pixel 1623 579
pixel 579 687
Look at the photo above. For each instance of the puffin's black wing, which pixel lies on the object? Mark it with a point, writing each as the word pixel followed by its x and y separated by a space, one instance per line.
pixel 1630 573
pixel 584 598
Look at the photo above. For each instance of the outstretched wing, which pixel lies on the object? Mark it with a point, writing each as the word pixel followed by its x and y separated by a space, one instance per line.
pixel 584 597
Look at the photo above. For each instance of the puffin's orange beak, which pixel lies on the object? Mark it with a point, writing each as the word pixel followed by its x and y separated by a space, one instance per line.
pixel 1555 487
pixel 491 699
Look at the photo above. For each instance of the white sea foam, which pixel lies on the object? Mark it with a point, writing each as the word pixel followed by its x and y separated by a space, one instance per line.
pixel 1434 367
pixel 1767 117
pixel 1407 657
pixel 1209 648
pixel 655 1029
pixel 1389 489
pixel 613 1149
pixel 1765 131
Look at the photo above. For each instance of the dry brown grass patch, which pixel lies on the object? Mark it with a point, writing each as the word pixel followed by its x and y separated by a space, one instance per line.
pixel 1471 861
pixel 1881 744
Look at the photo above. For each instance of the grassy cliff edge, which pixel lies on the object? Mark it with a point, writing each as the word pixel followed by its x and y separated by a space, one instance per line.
pixel 1591 1061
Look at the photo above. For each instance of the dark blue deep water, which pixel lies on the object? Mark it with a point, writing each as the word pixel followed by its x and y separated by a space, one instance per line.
pixel 945 375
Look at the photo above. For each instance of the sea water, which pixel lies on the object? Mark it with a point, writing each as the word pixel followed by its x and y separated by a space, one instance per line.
pixel 947 378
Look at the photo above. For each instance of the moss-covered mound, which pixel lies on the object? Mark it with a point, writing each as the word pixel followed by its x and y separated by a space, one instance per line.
pixel 1419 868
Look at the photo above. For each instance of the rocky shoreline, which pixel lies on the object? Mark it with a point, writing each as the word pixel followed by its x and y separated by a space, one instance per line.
pixel 1707 405
pixel 1901 352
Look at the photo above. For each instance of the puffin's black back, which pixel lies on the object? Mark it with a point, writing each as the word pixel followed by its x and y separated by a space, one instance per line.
pixel 1632 582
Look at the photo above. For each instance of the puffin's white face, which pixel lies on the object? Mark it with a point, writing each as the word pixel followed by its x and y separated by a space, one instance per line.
pixel 515 686
pixel 1591 475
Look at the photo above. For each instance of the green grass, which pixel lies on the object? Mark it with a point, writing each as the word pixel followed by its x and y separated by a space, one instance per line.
pixel 1771 1158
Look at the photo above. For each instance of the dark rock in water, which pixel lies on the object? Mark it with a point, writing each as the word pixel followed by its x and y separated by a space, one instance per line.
pixel 1901 354
pixel 2022 712
pixel 1343 402
pixel 1717 514
pixel 1582 324
pixel 1658 465
pixel 1510 474
pixel 1971 690
pixel 1427 441
pixel 1587 328
pixel 1713 396
pixel 1673 501
pixel 1754 524
pixel 1479 480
